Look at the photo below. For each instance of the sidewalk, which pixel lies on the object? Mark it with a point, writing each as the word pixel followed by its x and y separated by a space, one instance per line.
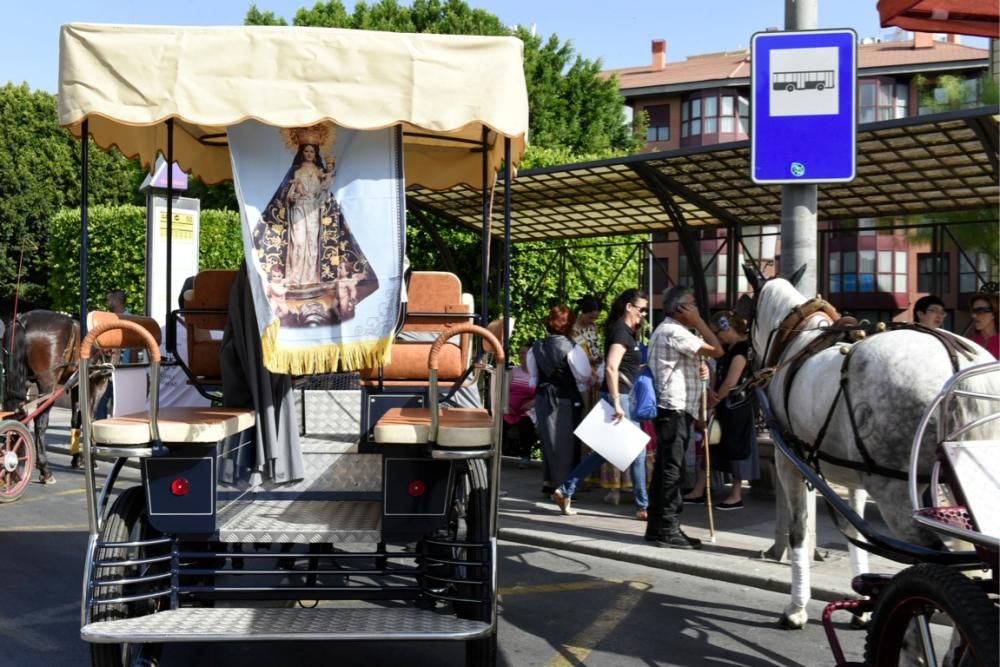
pixel 601 529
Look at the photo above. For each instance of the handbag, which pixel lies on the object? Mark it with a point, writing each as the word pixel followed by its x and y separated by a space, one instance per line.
pixel 642 397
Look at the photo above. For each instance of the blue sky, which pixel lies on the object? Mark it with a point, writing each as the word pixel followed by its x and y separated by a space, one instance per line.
pixel 618 33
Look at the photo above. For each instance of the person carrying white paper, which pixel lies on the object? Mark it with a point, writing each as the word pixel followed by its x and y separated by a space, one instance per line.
pixel 622 362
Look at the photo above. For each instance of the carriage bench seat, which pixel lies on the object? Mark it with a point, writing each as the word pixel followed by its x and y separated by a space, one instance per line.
pixel 458 428
pixel 177 426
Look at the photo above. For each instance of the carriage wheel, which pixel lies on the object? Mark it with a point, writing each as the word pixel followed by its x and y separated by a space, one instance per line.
pixel 472 509
pixel 900 626
pixel 126 521
pixel 17 460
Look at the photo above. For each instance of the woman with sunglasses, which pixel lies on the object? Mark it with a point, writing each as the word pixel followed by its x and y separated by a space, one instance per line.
pixel 622 361
pixel 984 319
pixel 737 450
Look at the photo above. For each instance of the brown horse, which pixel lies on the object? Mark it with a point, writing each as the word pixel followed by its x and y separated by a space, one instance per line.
pixel 43 348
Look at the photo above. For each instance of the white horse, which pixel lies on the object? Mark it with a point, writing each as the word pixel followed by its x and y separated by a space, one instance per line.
pixel 891 378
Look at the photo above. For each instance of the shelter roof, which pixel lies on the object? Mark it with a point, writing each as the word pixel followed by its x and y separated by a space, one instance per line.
pixel 916 165
pixel 735 65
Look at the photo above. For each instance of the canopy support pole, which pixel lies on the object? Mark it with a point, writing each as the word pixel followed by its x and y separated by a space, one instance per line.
pixel 170 217
pixel 84 221
pixel 663 194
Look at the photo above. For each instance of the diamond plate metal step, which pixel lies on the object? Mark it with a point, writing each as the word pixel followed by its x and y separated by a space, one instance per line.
pixel 305 522
pixel 277 624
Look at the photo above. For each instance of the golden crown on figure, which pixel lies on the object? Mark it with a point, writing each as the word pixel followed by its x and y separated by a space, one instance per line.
pixel 323 135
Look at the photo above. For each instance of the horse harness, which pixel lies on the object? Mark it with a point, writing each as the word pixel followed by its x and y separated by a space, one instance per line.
pixel 841 330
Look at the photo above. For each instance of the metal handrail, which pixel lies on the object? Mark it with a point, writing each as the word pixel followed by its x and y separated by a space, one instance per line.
pixel 947 393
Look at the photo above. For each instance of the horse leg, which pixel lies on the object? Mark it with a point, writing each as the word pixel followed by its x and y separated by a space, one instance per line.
pixel 45 475
pixel 795 616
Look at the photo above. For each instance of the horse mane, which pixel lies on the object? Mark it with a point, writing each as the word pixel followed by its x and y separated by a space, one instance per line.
pixel 776 300
pixel 16 369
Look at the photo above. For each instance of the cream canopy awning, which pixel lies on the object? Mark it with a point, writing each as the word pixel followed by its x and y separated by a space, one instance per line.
pixel 445 90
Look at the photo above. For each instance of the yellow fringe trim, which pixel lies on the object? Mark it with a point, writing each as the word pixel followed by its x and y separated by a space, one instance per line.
pixel 74 441
pixel 317 359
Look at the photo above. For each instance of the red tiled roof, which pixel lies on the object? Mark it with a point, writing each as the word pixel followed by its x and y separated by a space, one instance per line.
pixel 736 64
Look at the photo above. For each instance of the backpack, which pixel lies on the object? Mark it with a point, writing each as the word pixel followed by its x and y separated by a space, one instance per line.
pixel 642 397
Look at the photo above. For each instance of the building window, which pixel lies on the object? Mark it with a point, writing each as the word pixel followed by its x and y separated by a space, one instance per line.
pixel 972 276
pixel 867 271
pixel 659 122
pixel 930 265
pixel 883 99
pixel 950 92
pixel 724 113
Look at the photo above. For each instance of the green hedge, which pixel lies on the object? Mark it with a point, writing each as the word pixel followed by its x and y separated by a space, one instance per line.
pixel 117 242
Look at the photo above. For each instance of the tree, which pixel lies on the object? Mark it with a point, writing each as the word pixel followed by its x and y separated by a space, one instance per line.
pixel 39 175
pixel 575 114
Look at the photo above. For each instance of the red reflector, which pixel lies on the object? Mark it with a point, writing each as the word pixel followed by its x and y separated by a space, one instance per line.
pixel 180 486
pixel 417 488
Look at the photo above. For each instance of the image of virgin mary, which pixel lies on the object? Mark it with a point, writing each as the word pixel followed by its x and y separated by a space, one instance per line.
pixel 314 266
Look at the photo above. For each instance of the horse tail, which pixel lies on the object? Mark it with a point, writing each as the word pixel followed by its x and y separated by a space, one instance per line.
pixel 16 369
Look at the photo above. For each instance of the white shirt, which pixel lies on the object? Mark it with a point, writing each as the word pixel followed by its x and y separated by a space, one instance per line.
pixel 579 364
pixel 673 359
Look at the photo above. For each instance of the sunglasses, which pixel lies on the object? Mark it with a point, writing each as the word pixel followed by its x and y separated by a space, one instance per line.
pixel 982 310
pixel 642 310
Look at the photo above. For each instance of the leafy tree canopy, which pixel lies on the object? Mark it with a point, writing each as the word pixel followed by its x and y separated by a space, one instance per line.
pixel 39 175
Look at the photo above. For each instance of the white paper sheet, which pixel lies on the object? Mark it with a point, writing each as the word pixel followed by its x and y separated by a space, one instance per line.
pixel 620 443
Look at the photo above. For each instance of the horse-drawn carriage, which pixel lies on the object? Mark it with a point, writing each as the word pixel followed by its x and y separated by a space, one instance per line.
pixel 387 530
pixel 912 416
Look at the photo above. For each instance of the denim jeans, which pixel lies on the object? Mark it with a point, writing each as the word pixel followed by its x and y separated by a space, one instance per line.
pixel 594 461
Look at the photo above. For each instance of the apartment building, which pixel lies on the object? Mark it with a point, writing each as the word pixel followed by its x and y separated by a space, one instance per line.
pixel 872 268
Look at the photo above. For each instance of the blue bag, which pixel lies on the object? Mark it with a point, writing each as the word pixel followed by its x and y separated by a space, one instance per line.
pixel 642 397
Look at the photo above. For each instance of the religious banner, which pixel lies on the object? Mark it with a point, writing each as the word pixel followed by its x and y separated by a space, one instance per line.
pixel 323 231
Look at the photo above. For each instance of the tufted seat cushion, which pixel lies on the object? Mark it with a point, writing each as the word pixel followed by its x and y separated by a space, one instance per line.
pixel 177 425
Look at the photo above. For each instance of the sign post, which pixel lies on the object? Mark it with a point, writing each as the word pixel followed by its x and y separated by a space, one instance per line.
pixel 804 106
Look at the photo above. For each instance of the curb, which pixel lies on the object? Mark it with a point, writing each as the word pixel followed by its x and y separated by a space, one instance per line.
pixel 770 576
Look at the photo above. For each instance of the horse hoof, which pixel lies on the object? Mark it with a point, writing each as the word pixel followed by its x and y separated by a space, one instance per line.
pixel 788 623
pixel 76 463
pixel 47 479
pixel 861 622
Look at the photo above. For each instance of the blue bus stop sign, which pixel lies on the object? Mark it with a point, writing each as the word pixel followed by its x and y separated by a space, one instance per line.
pixel 803 107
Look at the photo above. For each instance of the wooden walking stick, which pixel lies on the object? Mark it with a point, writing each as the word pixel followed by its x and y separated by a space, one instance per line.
pixel 705 431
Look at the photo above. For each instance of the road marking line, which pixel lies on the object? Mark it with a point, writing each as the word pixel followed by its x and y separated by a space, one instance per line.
pixel 578 649
pixel 42 529
pixel 559 588
pixel 35 499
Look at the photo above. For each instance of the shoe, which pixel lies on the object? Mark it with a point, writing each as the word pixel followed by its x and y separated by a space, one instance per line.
pixel 563 502
pixel 697 500
pixel 641 515
pixel 613 497
pixel 677 540
pixel 725 507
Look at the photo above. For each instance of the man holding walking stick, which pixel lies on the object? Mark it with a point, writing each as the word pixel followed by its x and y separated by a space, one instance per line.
pixel 678 372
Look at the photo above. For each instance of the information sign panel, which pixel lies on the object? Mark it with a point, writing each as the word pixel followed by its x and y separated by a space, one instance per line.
pixel 803 107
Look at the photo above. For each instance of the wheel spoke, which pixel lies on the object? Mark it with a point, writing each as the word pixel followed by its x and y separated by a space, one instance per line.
pixel 926 641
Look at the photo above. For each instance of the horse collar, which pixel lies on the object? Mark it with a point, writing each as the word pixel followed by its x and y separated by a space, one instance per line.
pixel 791 326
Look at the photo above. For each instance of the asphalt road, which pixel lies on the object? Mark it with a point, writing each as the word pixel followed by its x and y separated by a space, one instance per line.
pixel 558 608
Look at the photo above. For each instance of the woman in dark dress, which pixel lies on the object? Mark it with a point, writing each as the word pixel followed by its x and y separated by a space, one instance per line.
pixel 736 453
pixel 561 374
